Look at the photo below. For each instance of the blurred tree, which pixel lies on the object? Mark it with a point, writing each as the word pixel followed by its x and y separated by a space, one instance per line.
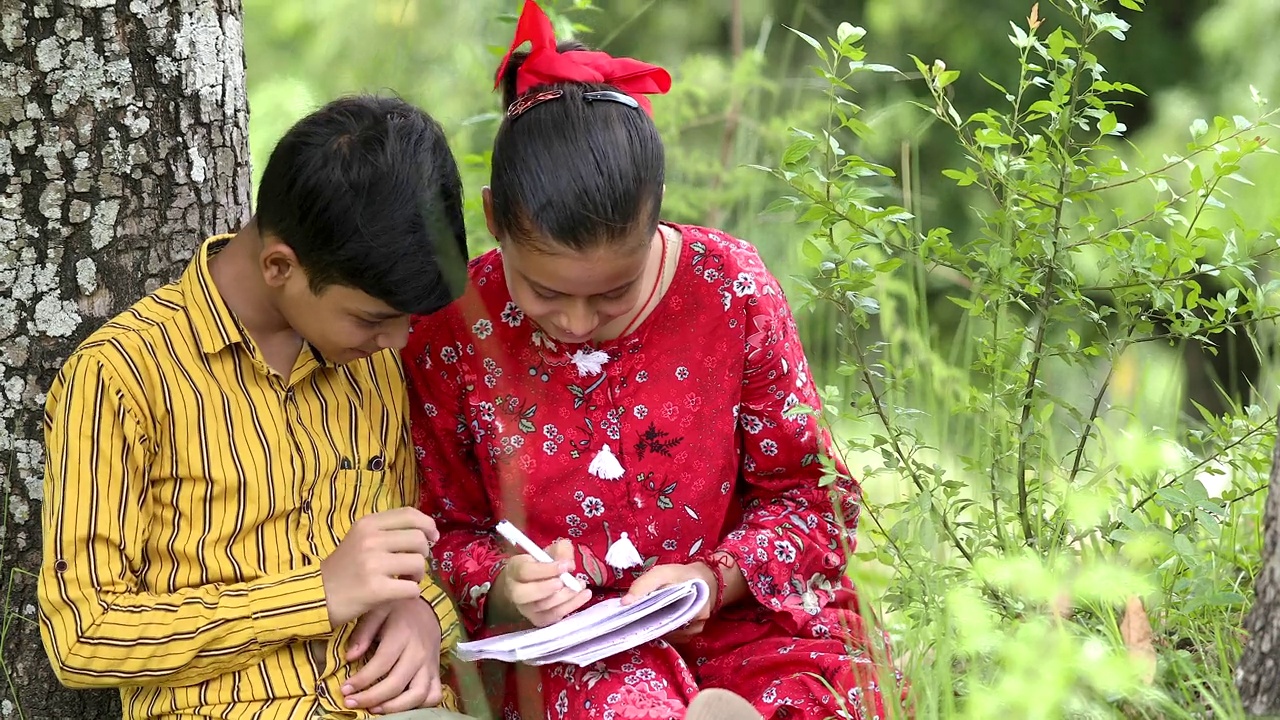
pixel 1258 674
pixel 124 144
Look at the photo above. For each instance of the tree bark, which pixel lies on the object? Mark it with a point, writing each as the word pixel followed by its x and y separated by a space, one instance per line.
pixel 1258 674
pixel 123 144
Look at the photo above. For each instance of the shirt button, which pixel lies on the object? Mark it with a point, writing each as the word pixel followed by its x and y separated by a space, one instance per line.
pixel 377 463
pixel 306 506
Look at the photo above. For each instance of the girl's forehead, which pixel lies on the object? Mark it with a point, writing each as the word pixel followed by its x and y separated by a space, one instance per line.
pixel 597 270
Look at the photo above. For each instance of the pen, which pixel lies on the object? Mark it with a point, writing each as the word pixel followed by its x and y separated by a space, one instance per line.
pixel 520 540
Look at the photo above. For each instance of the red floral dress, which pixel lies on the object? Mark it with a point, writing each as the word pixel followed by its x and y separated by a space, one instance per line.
pixel 700 406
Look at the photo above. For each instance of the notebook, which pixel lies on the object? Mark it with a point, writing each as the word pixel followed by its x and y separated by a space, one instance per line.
pixel 600 631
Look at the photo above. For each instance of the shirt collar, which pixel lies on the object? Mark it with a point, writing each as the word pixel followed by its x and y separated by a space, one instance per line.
pixel 215 326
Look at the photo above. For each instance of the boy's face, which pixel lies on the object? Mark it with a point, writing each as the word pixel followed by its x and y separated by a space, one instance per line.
pixel 344 324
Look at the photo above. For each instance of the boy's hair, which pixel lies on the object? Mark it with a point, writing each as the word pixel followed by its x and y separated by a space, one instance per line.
pixel 575 172
pixel 367 193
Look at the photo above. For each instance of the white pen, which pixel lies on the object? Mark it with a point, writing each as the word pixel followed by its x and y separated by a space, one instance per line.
pixel 520 540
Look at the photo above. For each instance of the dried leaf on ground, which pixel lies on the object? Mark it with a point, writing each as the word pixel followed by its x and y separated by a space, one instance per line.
pixel 1135 629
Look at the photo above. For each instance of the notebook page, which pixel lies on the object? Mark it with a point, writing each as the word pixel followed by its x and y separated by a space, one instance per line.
pixel 629 616
pixel 651 627
pixel 652 616
pixel 595 615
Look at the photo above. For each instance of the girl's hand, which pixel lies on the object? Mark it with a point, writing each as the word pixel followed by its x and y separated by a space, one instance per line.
pixel 534 589
pixel 661 576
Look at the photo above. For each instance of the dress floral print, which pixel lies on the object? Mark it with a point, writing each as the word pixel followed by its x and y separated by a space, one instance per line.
pixel 691 434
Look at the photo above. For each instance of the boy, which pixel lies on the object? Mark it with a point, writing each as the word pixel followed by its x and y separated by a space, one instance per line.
pixel 228 520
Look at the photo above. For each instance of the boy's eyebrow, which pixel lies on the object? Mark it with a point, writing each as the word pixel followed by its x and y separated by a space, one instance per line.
pixel 380 314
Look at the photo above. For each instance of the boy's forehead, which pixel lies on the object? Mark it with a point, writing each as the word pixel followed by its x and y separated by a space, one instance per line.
pixel 356 300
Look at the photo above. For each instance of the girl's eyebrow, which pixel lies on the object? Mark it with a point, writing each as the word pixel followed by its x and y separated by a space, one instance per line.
pixel 552 291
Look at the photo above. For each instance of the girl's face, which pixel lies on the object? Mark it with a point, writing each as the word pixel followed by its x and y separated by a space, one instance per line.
pixel 573 295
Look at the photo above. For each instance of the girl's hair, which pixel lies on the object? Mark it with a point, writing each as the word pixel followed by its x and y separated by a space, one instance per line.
pixel 572 170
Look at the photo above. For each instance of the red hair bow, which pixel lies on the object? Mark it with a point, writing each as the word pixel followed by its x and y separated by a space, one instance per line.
pixel 545 66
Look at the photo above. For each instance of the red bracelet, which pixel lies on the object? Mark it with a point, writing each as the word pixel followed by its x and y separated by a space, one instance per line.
pixel 717 565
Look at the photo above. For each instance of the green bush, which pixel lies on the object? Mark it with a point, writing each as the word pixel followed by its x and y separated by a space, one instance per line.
pixel 1018 496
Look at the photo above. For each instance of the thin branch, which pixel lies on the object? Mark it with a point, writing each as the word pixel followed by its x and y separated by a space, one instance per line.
pixel 906 460
pixel 1218 327
pixel 1093 414
pixel 1046 302
pixel 1097 400
pixel 1253 127
pixel 1196 468
pixel 1088 239
pixel 1178 279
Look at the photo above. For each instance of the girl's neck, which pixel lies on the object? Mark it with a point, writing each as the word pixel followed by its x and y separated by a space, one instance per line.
pixel 656 282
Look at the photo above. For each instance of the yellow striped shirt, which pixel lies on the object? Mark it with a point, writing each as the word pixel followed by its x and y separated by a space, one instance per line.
pixel 189 496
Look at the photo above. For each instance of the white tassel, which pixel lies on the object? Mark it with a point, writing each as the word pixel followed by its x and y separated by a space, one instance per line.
pixel 605 465
pixel 622 554
pixel 589 363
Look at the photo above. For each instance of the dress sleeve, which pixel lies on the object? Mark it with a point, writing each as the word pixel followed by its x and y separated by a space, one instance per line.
pixel 467 557
pixel 791 543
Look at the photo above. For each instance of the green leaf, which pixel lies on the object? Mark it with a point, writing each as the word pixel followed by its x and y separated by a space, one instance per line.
pixel 798 150
pixel 847 32
pixel 1057 44
pixel 946 77
pixel 963 179
pixel 1108 124
pixel 1226 598
pixel 1110 23
pixel 1183 545
pixel 782 204
pixel 811 252
pixel 994 138
pixel 993 84
pixel 1132 4
pixel 1047 107
pixel 822 53
pixel 812 214
pixel 1046 412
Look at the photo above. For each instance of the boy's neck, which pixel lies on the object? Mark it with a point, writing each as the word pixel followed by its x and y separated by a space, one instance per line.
pixel 238 279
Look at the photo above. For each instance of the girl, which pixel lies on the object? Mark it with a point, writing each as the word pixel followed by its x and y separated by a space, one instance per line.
pixel 632 387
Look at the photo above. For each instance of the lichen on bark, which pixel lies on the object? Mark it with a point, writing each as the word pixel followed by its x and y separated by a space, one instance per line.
pixel 123 143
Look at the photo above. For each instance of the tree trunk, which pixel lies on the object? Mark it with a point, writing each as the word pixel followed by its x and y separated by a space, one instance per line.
pixel 123 144
pixel 1258 675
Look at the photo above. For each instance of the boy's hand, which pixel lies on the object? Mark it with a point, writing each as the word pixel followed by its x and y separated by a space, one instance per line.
pixel 404 672
pixel 381 560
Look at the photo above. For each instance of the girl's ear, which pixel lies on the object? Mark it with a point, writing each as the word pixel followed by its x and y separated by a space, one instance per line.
pixel 487 195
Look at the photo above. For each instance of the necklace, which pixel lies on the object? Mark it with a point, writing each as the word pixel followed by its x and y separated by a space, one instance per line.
pixel 662 266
